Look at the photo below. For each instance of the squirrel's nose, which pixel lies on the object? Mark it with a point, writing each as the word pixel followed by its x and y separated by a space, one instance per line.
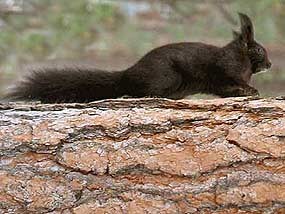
pixel 268 64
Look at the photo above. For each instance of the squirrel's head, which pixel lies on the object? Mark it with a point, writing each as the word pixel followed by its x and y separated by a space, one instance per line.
pixel 257 54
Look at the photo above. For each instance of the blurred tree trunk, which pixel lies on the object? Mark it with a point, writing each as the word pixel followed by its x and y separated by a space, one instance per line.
pixel 143 156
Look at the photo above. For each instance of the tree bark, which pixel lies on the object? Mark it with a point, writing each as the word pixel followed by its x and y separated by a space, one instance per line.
pixel 143 156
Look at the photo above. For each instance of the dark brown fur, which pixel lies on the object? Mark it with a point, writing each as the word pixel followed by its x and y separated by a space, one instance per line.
pixel 171 71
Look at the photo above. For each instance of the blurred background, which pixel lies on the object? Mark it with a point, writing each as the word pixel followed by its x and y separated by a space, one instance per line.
pixel 114 34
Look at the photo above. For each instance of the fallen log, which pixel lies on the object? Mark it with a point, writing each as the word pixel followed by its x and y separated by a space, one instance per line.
pixel 143 156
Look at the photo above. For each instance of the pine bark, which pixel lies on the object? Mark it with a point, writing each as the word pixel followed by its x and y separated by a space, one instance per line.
pixel 143 156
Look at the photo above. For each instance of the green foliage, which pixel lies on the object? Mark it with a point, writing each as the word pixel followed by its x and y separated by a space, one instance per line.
pixel 33 42
pixel 61 24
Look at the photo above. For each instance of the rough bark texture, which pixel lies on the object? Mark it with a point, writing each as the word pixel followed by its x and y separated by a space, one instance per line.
pixel 143 156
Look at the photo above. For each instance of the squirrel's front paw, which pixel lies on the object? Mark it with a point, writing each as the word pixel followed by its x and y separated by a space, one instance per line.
pixel 238 91
pixel 250 91
pixel 247 91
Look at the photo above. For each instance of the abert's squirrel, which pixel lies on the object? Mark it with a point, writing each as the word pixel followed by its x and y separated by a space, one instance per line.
pixel 171 71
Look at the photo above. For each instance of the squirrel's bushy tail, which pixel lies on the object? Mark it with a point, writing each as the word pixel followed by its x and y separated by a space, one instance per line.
pixel 52 85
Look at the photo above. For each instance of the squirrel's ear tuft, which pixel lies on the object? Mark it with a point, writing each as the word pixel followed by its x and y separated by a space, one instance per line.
pixel 247 31
pixel 236 34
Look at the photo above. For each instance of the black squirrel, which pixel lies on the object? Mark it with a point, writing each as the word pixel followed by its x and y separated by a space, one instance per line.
pixel 171 71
